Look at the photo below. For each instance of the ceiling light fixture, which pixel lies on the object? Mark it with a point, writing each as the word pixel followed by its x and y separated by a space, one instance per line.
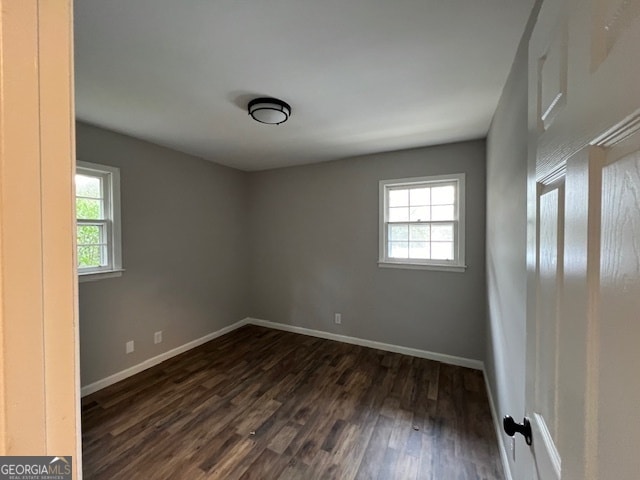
pixel 269 110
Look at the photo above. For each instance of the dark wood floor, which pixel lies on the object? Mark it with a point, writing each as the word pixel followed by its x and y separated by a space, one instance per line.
pixel 265 404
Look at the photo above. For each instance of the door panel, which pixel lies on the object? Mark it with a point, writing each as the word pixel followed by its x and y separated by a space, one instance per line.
pixel 618 332
pixel 549 282
pixel 552 79
pixel 548 464
pixel 611 21
pixel 550 255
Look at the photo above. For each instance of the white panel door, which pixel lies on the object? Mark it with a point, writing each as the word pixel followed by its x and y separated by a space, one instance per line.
pixel 583 258
pixel 545 335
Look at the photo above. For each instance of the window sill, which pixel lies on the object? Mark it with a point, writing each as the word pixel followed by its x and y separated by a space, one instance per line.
pixel 93 276
pixel 423 266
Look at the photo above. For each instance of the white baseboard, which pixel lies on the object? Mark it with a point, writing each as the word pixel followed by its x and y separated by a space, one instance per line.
pixel 497 423
pixel 414 352
pixel 116 377
pixel 439 357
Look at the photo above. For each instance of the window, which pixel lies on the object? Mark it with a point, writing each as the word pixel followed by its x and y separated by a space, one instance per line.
pixel 422 223
pixel 98 221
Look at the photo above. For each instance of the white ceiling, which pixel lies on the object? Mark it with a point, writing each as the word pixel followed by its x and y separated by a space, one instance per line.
pixel 361 76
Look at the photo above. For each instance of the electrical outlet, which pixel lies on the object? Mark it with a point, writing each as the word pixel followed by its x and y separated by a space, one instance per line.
pixel 338 318
pixel 130 347
pixel 157 337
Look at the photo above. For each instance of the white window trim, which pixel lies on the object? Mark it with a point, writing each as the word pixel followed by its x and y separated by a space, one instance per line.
pixel 457 265
pixel 114 230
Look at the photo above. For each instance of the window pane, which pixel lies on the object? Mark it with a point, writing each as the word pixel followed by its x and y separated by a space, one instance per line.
pixel 87 186
pixel 90 234
pixel 420 221
pixel 443 195
pixel 419 250
pixel 419 214
pixel 443 212
pixel 399 214
pixel 442 250
pixel 442 233
pixel 90 256
pixel 398 198
pixel 419 196
pixel 419 233
pixel 399 232
pixel 88 209
pixel 398 250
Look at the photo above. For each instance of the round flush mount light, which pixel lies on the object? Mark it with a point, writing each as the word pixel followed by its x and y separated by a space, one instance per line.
pixel 269 110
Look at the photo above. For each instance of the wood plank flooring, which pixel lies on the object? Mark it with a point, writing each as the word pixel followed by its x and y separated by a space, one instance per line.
pixel 271 405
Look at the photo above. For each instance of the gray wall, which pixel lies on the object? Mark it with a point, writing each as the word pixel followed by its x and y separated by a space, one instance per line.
pixel 314 247
pixel 505 360
pixel 205 246
pixel 184 250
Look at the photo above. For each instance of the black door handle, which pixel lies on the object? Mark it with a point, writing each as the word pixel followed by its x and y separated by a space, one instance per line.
pixel 511 428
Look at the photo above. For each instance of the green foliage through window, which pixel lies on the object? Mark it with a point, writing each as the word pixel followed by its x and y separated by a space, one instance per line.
pixel 88 209
pixel 99 248
pixel 89 206
pixel 89 256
